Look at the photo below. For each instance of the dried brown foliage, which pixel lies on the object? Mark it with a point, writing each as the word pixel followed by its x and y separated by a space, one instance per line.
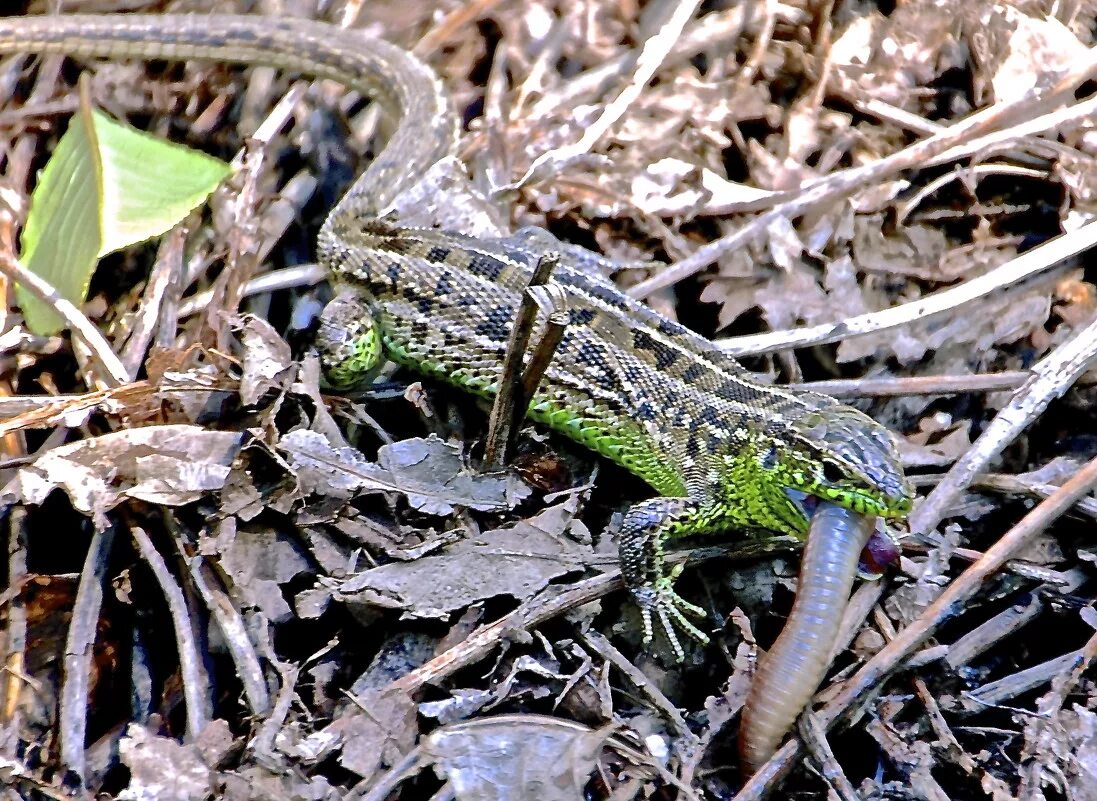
pixel 225 598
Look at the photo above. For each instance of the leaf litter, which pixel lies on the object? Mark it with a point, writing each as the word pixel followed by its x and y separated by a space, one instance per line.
pixel 281 508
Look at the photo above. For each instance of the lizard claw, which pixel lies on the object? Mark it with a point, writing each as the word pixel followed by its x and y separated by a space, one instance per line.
pixel 660 604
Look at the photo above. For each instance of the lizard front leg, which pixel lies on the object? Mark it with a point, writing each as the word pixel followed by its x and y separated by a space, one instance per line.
pixel 640 546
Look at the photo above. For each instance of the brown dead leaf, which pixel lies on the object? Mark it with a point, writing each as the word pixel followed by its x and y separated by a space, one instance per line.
pixel 430 473
pixel 268 365
pixel 515 756
pixel 170 465
pixel 518 561
pixel 1038 50
pixel 914 250
pixel 162 768
pixel 260 562
pixel 375 733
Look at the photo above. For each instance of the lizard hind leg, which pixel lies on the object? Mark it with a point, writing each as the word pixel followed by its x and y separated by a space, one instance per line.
pixel 348 341
pixel 640 545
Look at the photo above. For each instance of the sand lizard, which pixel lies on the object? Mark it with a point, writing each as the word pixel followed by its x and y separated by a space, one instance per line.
pixel 722 450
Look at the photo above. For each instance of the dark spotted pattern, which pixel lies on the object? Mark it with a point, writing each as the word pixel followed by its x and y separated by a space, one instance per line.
pixel 445 285
pixel 672 329
pixel 496 324
pixel 664 355
pixel 581 316
pixel 707 471
pixel 485 266
pixel 693 372
pixel 597 365
pixel 642 391
pixel 393 271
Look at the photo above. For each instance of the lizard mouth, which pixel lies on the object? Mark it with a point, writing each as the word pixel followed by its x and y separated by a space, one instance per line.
pixel 879 553
pixel 803 501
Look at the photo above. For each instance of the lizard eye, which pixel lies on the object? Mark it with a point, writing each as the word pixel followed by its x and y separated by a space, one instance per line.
pixel 832 473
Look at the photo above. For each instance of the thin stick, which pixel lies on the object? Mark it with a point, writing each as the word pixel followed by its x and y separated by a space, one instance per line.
pixel 506 415
pixel 101 351
pixel 948 604
pixel 197 696
pixel 284 278
pixel 1052 376
pixel 548 604
pixel 655 51
pixel 554 305
pixel 1029 263
pixel 842 183
pixel 79 644
pixel 925 384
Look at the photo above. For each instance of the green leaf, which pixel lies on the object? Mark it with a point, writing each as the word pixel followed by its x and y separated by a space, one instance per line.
pixel 106 187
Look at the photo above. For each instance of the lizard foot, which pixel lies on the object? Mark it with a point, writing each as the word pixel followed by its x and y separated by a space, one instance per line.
pixel 660 604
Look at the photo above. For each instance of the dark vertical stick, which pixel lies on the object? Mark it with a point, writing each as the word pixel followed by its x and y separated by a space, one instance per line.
pixel 512 399
pixel 79 642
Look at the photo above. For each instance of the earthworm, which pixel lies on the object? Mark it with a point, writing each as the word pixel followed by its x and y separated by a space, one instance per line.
pixel 789 673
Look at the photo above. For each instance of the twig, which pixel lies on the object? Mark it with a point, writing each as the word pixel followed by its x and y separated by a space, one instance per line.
pixel 850 91
pixel 604 648
pixel 1047 708
pixel 928 384
pixel 839 184
pixel 1029 263
pixel 554 305
pixel 1008 621
pixel 1051 378
pixel 1018 485
pixel 941 728
pixel 1078 113
pixel 80 326
pixel 947 605
pixel 274 719
pixel 761 43
pixel 233 629
pixel 166 273
pixel 547 605
pixel 508 409
pixel 196 686
pixel 452 24
pixel 15 634
pixel 481 641
pixel 1001 690
pixel 815 739
pixel 714 31
pixel 964 173
pixel 79 645
pixel 655 50
pixel 285 278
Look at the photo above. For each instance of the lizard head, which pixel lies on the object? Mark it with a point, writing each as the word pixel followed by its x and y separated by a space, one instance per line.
pixel 843 456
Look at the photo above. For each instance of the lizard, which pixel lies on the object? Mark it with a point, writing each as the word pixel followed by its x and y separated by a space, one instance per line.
pixel 722 450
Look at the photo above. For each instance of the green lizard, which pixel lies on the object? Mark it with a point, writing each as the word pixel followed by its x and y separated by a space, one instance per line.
pixel 722 450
